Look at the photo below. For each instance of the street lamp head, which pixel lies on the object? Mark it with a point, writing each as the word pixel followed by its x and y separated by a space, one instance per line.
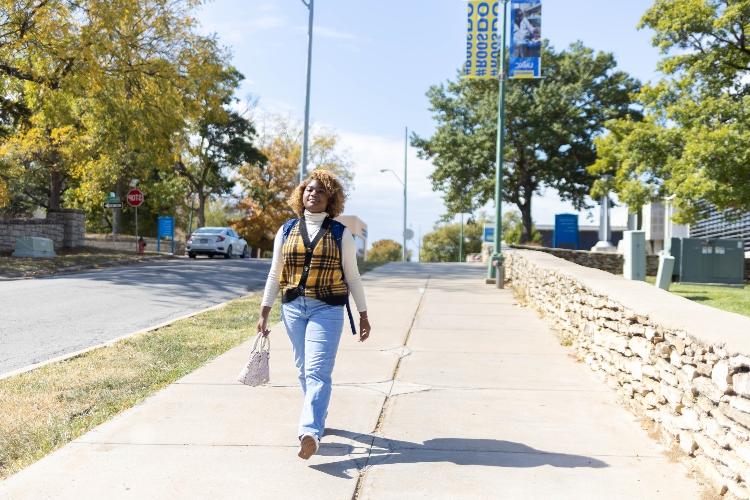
pixel 383 170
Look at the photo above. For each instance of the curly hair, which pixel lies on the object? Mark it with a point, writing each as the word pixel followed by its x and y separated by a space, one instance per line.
pixel 335 190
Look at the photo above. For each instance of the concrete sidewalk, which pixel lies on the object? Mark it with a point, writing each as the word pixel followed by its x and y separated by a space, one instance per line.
pixel 460 393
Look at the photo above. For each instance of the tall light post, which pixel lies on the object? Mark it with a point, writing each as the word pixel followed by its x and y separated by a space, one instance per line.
pixel 310 4
pixel 406 150
pixel 383 170
pixel 462 239
pixel 496 263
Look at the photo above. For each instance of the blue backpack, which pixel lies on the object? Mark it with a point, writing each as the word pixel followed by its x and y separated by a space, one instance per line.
pixel 337 230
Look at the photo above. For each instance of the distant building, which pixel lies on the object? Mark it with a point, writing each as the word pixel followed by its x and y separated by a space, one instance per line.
pixel 723 225
pixel 358 229
pixel 653 223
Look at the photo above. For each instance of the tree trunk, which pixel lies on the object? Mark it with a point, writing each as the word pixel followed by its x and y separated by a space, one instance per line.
pixel 202 209
pixel 527 233
pixel 56 183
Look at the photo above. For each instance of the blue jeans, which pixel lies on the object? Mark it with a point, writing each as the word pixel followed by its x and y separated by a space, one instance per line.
pixel 314 328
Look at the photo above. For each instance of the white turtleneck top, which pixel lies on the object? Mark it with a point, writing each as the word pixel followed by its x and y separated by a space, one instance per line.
pixel 313 222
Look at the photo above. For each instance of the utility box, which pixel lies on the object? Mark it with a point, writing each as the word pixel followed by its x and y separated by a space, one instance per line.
pixel 698 260
pixel 634 248
pixel 34 246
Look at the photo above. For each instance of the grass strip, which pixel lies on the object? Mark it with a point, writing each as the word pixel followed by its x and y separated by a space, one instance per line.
pixel 46 408
pixel 732 299
pixel 24 267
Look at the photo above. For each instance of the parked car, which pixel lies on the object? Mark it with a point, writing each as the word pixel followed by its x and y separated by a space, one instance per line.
pixel 216 241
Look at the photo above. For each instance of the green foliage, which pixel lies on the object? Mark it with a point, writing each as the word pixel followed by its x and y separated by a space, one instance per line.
pixel 98 92
pixel 224 139
pixel 385 251
pixel 219 213
pixel 551 124
pixel 513 229
pixel 442 245
pixel 693 142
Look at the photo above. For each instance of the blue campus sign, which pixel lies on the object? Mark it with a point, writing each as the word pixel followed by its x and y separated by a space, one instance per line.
pixel 164 229
pixel 489 234
pixel 566 231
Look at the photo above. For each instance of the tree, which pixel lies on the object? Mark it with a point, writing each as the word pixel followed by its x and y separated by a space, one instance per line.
pixel 97 92
pixel 442 245
pixel 385 251
pixel 692 143
pixel 267 187
pixel 223 138
pixel 551 125
pixel 513 229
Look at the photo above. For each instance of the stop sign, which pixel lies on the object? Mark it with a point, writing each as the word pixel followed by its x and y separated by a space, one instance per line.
pixel 135 197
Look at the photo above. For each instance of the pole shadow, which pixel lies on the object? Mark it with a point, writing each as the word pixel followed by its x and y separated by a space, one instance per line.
pixel 459 451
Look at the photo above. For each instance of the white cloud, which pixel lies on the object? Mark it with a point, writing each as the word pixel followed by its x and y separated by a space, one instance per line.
pixel 378 197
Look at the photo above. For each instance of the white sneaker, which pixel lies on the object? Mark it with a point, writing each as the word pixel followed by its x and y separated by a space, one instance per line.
pixel 308 446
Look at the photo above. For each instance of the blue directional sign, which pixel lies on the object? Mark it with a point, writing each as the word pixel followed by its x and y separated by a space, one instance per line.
pixel 164 229
pixel 166 226
pixel 566 231
pixel 489 234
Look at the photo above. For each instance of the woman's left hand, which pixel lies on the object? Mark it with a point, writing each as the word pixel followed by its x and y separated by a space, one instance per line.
pixel 364 328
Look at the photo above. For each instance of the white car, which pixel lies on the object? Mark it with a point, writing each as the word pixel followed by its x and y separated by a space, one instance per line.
pixel 216 241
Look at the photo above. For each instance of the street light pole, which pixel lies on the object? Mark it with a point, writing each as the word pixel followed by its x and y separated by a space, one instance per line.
pixel 496 263
pixel 406 146
pixel 310 4
pixel 461 241
pixel 383 170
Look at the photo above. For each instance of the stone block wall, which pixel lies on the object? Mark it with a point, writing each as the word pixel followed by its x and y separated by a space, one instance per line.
pixel 610 262
pixel 66 229
pixel 74 226
pixel 681 365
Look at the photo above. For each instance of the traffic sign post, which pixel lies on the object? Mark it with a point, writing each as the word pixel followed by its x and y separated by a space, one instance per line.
pixel 113 201
pixel 135 199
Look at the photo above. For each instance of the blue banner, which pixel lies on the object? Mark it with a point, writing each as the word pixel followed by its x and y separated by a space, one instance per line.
pixel 525 39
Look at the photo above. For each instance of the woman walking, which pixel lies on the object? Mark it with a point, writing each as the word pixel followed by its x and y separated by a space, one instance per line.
pixel 315 268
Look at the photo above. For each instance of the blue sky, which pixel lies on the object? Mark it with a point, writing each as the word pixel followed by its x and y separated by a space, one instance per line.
pixel 373 61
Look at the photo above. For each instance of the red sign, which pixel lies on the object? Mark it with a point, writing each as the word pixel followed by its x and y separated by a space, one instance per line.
pixel 135 197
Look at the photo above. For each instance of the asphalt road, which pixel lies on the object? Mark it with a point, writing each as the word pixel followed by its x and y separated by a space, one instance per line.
pixel 45 318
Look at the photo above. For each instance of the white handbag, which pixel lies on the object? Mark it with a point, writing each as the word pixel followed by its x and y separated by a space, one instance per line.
pixel 255 371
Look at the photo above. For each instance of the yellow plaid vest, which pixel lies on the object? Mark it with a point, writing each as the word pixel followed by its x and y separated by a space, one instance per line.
pixel 325 279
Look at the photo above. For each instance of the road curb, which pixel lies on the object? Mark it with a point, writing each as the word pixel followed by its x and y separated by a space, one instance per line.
pixel 81 352
pixel 102 265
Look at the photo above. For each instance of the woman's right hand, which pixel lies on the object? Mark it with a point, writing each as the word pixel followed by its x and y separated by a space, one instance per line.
pixel 262 326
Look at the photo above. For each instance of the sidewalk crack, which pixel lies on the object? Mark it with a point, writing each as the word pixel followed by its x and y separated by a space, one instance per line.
pixel 389 396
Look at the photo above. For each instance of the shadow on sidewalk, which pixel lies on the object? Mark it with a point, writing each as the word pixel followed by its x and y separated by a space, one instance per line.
pixel 460 451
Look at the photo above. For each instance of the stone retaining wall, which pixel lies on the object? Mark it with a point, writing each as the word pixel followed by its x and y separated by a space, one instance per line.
pixel 610 262
pixel 679 364
pixel 66 229
pixel 127 243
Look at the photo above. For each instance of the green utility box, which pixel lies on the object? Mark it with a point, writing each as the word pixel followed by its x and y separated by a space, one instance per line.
pixel 708 261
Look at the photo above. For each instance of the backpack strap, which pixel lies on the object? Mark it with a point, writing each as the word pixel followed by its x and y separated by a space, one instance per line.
pixel 337 230
pixel 287 228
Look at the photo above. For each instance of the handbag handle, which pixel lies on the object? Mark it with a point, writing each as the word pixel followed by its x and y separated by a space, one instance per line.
pixel 265 343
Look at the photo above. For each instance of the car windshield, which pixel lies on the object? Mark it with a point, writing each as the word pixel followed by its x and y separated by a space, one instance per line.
pixel 209 230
